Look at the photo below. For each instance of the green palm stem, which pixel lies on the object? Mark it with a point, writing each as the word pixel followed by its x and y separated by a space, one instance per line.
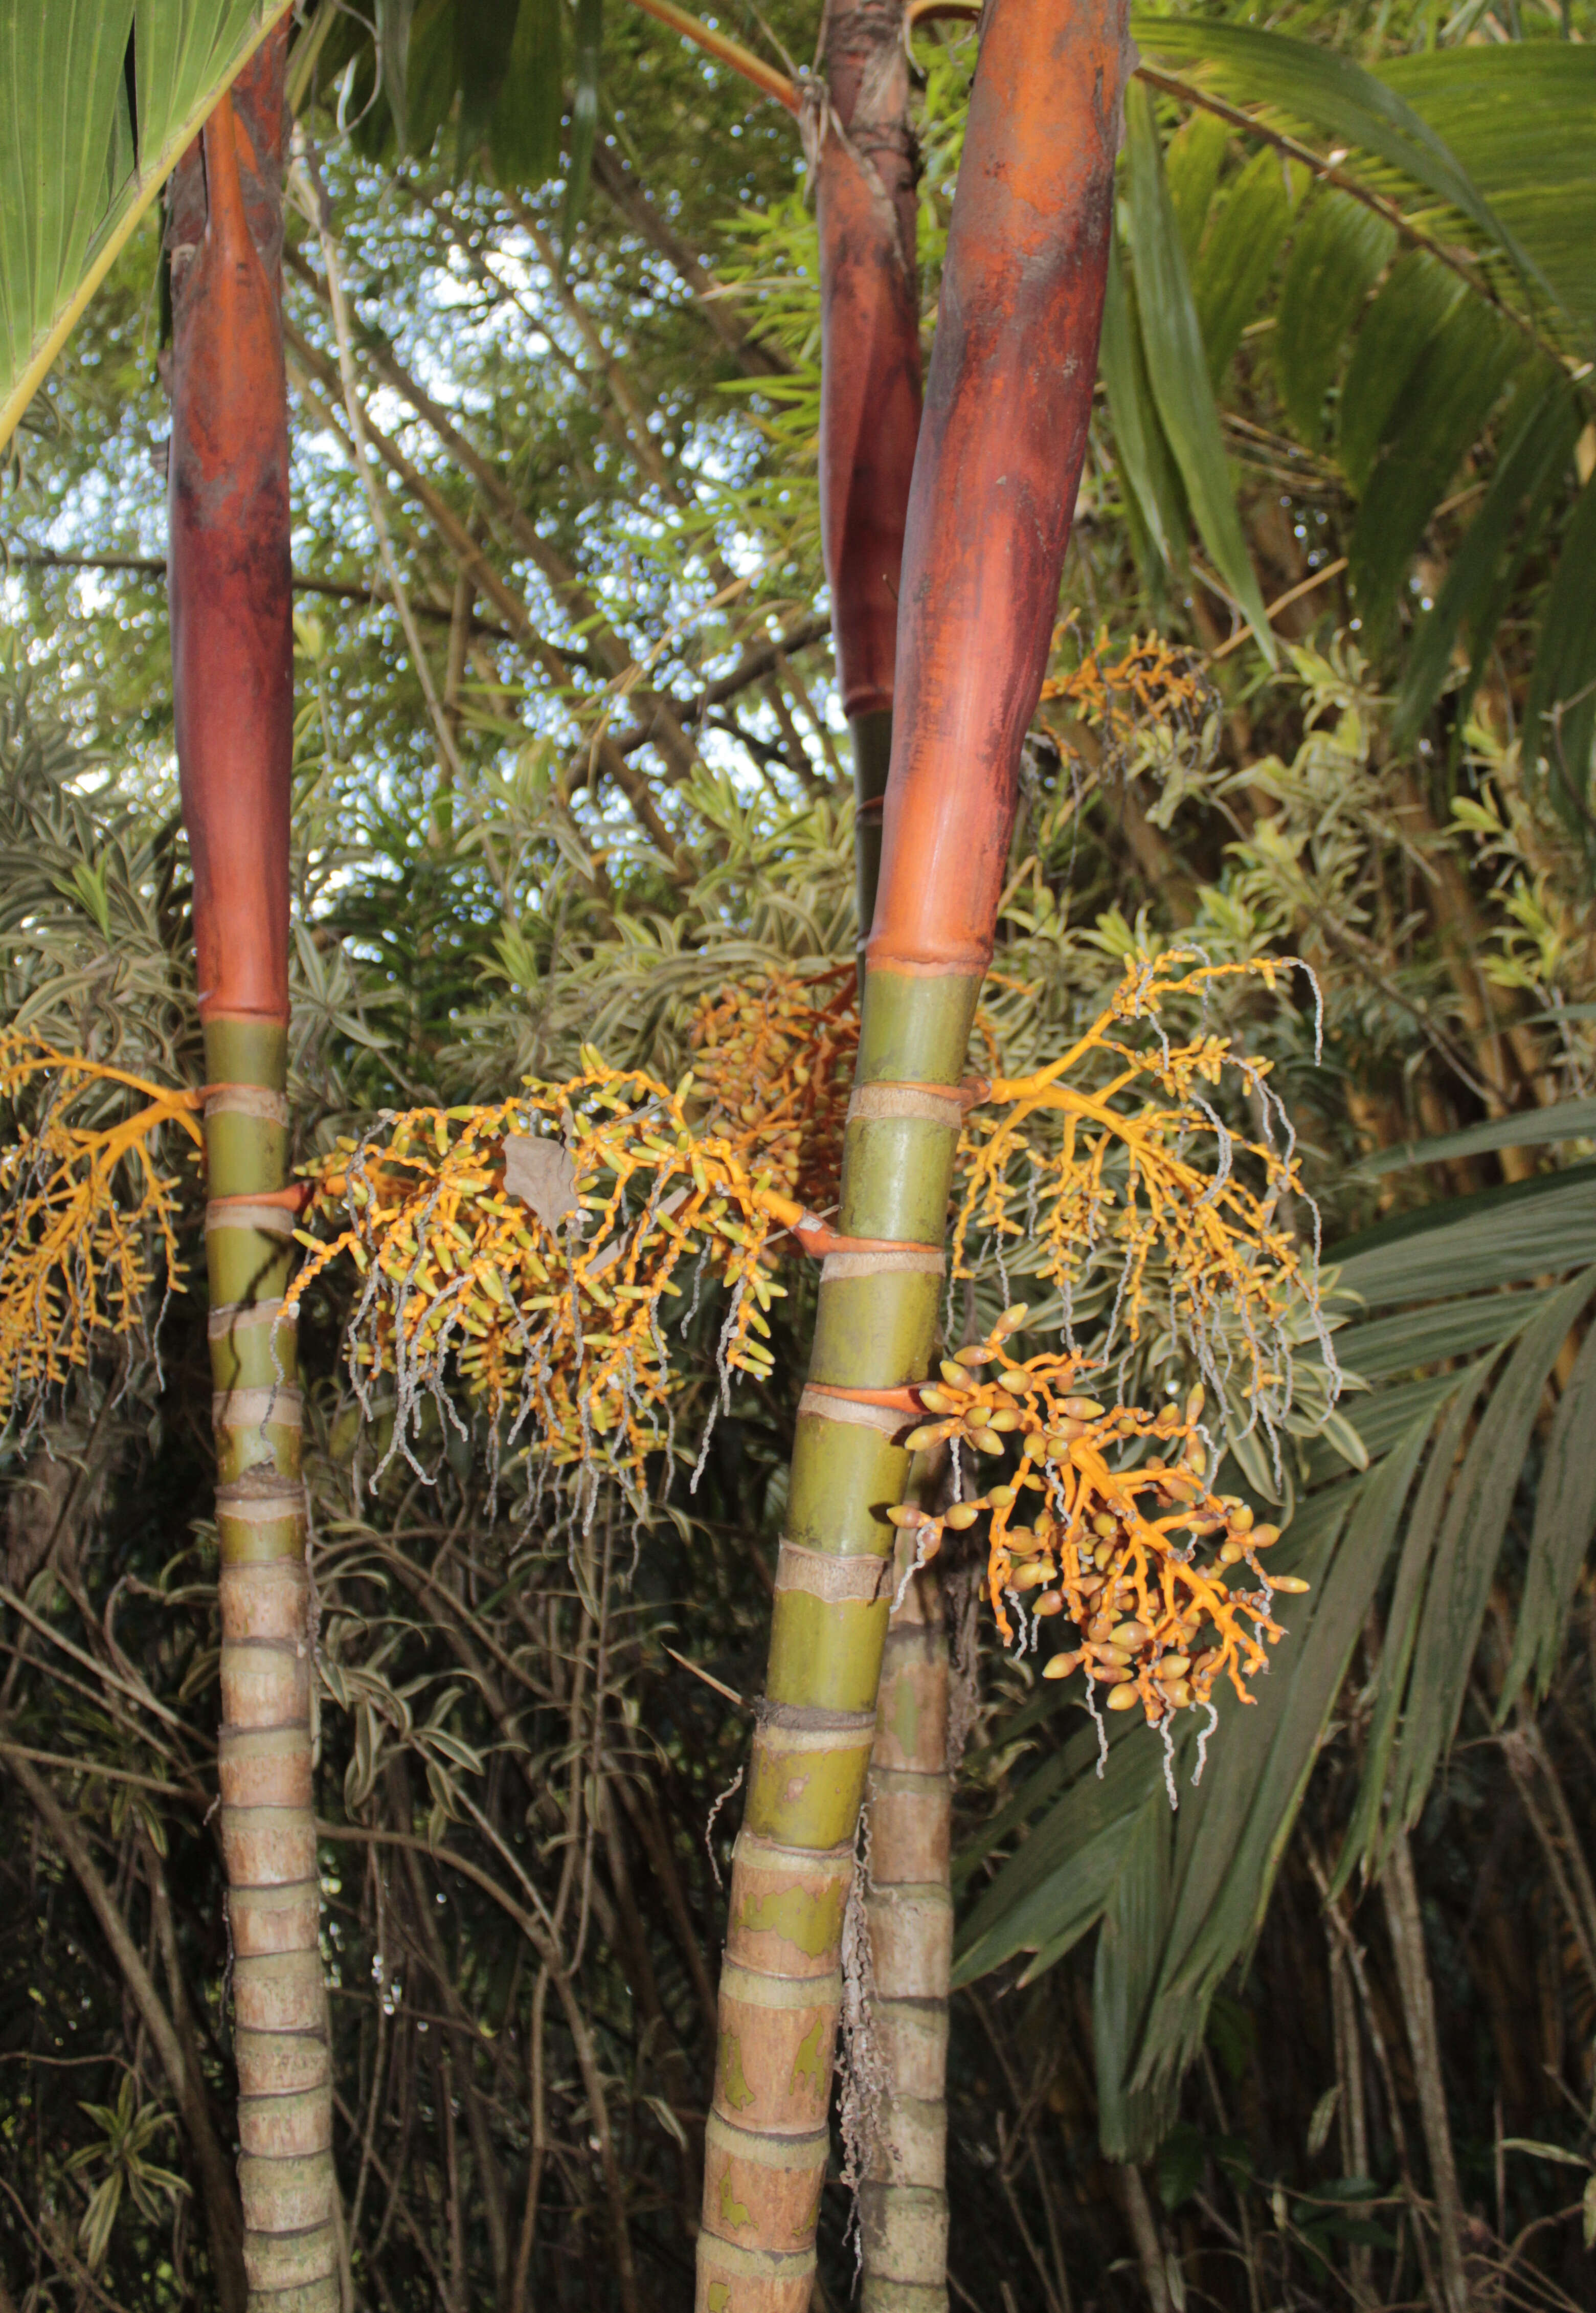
pixel 871 402
pixel 768 2140
pixel 232 623
pixel 873 753
pixel 268 1837
pixel 995 478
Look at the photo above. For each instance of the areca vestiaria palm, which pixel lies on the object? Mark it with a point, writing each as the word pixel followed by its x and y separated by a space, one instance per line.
pixel 995 478
pixel 233 657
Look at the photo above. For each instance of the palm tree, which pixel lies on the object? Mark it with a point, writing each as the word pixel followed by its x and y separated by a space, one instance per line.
pixel 996 471
pixel 232 662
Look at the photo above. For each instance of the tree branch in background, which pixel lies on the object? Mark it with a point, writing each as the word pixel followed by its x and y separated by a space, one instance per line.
pixel 344 590
pixel 305 362
pixel 609 648
pixel 540 1937
pixel 716 302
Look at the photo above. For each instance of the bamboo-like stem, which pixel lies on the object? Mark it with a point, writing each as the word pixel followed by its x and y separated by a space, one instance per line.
pixel 909 1907
pixel 233 667
pixel 993 490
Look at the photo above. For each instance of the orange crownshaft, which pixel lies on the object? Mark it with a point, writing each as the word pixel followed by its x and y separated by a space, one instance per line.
pixel 998 465
pixel 231 581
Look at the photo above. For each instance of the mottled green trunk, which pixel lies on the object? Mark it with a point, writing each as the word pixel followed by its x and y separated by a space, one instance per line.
pixel 768 2140
pixel 268 1829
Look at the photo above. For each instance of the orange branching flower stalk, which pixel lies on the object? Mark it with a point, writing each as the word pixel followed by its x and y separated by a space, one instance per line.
pixel 1141 1556
pixel 1137 1171
pixel 773 1061
pixel 530 1247
pixel 1152 687
pixel 83 1207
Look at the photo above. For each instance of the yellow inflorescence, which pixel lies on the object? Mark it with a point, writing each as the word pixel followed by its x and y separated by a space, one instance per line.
pixel 773 1063
pixel 81 1207
pixel 1113 1159
pixel 552 1320
pixel 528 1250
pixel 1152 684
pixel 1138 1170
pixel 1142 1560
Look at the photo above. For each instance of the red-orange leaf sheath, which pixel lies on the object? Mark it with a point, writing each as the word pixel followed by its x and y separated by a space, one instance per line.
pixel 230 580
pixel 869 392
pixel 998 465
pixel 233 667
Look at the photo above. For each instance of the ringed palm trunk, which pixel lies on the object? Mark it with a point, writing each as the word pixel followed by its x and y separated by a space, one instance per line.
pixel 232 629
pixel 995 480
pixel 903 2211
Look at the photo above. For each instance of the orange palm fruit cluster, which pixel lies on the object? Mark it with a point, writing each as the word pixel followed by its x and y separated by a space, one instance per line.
pixel 1161 1577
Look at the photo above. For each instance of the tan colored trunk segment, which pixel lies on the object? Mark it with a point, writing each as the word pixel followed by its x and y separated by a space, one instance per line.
pixel 910 1819
pixel 275 2260
pixel 912 2147
pixel 904 2230
pixel 772 2068
pixel 787 1908
pixel 287 2127
pixel 763 2189
pixel 912 1730
pixel 911 1942
pixel 284 1919
pixel 911 2039
pixel 268 1843
pixel 267 1684
pixel 263 1845
pixel 282 2063
pixel 265 1767
pixel 310 2297
pixel 752 2281
pixel 291 2194
pixel 281 1993
pixel 903 2209
pixel 269 1602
